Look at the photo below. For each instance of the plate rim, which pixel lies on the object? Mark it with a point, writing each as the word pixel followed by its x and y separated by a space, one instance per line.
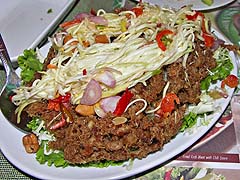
pixel 68 4
pixel 203 7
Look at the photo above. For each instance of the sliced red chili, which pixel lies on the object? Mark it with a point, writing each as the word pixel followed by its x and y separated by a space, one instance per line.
pixel 66 113
pixel 67 24
pixel 168 104
pixel 208 39
pixel 60 124
pixel 54 104
pixel 231 81
pixel 84 72
pixel 194 16
pixel 123 102
pixel 138 11
pixel 159 37
pixel 62 99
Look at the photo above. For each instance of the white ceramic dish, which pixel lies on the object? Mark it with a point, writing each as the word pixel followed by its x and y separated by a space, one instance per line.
pixel 24 23
pixel 196 4
pixel 12 148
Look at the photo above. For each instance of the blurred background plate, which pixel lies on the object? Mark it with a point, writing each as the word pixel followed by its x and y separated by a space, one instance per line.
pixel 196 4
pixel 24 23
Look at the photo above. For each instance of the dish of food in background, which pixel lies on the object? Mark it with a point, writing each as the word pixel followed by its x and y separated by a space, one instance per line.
pixel 24 23
pixel 228 21
pixel 198 5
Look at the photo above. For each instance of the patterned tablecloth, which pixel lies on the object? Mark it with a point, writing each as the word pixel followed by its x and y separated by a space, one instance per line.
pixel 7 170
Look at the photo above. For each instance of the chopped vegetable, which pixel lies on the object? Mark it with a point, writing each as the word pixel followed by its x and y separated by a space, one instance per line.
pixel 137 10
pixel 101 38
pixel 159 37
pixel 208 39
pixel 168 104
pixel 59 124
pixel 92 93
pixel 68 24
pixel 54 104
pixel 66 114
pixel 223 69
pixel 189 121
pixel 109 104
pixel 123 102
pixel 194 16
pixel 51 66
pixel 54 158
pixel 29 64
pixel 106 78
pixel 231 81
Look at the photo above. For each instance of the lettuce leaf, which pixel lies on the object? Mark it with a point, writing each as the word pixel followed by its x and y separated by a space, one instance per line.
pixel 221 71
pixel 29 64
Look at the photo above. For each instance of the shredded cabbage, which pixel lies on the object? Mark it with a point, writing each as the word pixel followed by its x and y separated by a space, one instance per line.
pixel 130 53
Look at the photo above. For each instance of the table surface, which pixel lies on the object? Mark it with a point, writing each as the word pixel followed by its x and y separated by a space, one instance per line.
pixel 8 171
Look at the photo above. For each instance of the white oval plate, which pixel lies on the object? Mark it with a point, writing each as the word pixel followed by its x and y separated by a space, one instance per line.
pixel 196 4
pixel 13 150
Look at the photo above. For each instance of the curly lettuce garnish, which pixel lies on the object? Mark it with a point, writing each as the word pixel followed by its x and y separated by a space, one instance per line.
pixel 29 64
pixel 221 71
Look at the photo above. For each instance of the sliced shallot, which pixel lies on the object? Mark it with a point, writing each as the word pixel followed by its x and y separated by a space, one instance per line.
pixel 109 104
pixel 99 20
pixel 83 15
pixel 92 93
pixel 106 78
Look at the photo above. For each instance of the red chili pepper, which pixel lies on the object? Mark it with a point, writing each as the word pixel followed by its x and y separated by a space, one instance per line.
pixel 231 81
pixel 54 104
pixel 62 99
pixel 159 37
pixel 123 102
pixel 168 104
pixel 67 24
pixel 66 113
pixel 84 72
pixel 208 40
pixel 194 17
pixel 60 124
pixel 138 11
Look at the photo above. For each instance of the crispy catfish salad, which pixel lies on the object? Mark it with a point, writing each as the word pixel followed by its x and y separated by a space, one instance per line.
pixel 118 86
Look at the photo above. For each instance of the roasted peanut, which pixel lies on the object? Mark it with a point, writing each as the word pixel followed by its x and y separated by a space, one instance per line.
pixel 30 143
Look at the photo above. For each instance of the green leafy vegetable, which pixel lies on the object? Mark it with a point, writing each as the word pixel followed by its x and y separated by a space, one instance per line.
pixel 34 123
pixel 223 69
pixel 56 159
pixel 29 64
pixel 102 164
pixel 189 121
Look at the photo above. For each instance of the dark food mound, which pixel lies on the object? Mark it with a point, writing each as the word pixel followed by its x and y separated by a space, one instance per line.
pixel 92 139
